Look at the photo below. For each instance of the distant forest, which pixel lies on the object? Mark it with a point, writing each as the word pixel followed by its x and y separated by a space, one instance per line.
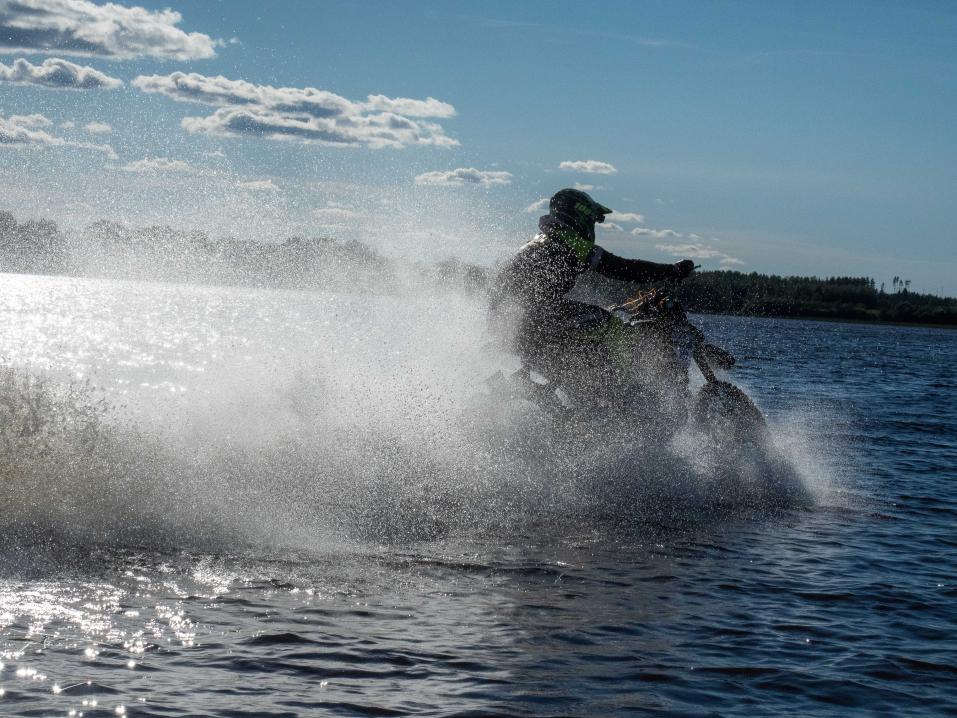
pixel 113 250
pixel 109 249
pixel 857 298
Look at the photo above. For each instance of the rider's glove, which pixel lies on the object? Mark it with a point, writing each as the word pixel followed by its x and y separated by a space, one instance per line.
pixel 683 268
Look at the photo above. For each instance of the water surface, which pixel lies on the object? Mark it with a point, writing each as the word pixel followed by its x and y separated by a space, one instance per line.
pixel 285 504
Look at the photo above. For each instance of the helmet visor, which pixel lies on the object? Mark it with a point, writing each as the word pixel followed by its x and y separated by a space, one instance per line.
pixel 593 211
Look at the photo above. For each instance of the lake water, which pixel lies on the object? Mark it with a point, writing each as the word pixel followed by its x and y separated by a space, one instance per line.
pixel 240 502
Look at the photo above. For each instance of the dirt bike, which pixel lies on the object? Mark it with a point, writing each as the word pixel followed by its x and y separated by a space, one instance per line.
pixel 660 344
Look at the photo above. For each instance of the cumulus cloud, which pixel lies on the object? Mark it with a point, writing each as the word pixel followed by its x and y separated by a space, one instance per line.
pixel 590 166
pixel 97 128
pixel 34 120
pixel 56 74
pixel 697 251
pixel 26 131
pixel 337 215
pixel 632 217
pixel 462 176
pixel 221 91
pixel 375 131
pixel 429 107
pixel 692 246
pixel 157 165
pixel 80 27
pixel 306 114
pixel 656 233
pixel 610 227
pixel 538 205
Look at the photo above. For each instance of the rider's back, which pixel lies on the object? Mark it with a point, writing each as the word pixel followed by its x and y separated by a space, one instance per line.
pixel 540 274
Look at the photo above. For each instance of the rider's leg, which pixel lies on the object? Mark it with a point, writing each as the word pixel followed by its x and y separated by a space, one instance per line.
pixel 573 344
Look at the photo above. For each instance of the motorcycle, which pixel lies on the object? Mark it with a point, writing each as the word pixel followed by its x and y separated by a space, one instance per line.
pixel 658 345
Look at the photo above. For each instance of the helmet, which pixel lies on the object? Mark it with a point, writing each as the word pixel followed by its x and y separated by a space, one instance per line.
pixel 578 209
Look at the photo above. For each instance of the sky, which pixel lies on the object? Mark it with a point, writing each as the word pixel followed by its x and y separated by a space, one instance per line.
pixel 811 138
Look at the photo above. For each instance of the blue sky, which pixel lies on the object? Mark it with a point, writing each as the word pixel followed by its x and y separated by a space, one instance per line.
pixel 804 138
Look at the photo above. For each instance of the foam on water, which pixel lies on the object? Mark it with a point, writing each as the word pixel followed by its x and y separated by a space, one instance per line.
pixel 226 417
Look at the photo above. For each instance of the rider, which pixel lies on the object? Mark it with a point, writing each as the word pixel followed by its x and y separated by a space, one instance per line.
pixel 570 339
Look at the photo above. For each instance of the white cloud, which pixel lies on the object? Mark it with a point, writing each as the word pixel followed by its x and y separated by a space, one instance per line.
pixel 689 250
pixel 34 120
pixel 462 176
pixel 335 214
pixel 259 185
pixel 68 125
pixel 306 114
pixel 583 187
pixel 374 131
pixel 610 227
pixel 693 248
pixel 429 107
pixel 656 233
pixel 24 132
pixel 696 250
pixel 538 205
pixel 57 74
pixel 97 128
pixel 633 217
pixel 590 166
pixel 157 165
pixel 80 27
pixel 222 92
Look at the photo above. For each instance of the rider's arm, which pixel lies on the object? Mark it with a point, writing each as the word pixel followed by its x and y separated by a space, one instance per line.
pixel 629 270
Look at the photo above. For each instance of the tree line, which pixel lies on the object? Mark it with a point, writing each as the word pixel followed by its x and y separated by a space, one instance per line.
pixel 857 298
pixel 111 249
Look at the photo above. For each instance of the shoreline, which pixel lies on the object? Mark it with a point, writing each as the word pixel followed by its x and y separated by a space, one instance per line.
pixel 830 320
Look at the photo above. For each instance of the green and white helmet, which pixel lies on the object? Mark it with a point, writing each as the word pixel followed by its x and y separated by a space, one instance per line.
pixel 578 209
